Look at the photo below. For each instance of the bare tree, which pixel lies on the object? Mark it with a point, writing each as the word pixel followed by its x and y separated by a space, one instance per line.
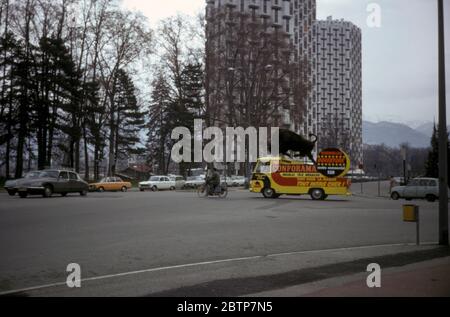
pixel 253 78
pixel 127 41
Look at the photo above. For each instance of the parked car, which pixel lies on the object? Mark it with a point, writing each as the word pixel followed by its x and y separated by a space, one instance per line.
pixel 418 188
pixel 110 184
pixel 156 183
pixel 239 181
pixel 12 185
pixel 226 180
pixel 50 182
pixel 194 182
pixel 180 182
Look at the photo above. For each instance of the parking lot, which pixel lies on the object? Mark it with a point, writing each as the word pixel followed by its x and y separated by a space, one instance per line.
pixel 114 233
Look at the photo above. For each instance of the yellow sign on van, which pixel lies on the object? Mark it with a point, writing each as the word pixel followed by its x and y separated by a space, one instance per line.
pixel 333 163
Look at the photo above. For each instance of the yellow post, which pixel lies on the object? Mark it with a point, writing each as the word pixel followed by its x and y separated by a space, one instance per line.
pixel 411 214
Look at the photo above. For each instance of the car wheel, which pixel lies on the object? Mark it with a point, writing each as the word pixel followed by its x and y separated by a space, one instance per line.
pixel 269 193
pixel 395 196
pixel 12 193
pixel 172 188
pixel 101 190
pixel 84 193
pixel 317 194
pixel 48 191
pixel 23 194
pixel 142 190
pixel 431 198
pixel 64 194
pixel 124 189
pixel 154 189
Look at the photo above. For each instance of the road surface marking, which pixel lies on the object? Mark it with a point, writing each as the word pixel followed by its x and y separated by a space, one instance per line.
pixel 166 268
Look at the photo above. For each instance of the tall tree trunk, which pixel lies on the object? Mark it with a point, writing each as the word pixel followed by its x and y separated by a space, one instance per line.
pixel 24 103
pixel 77 156
pixel 9 121
pixel 86 153
pixel 112 131
pixel 51 131
pixel 20 144
pixel 112 167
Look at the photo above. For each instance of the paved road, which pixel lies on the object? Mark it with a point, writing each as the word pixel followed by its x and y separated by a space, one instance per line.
pixel 113 233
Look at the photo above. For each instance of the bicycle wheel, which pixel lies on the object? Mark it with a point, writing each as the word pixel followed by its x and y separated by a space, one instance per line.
pixel 202 191
pixel 224 192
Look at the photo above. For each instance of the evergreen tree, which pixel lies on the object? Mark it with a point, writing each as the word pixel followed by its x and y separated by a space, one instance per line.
pixel 193 88
pixel 432 164
pixel 159 124
pixel 130 118
pixel 11 53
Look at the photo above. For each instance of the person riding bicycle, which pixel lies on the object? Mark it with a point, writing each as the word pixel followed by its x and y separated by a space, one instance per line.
pixel 213 180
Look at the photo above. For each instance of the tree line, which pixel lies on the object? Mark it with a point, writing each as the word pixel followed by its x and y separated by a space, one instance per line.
pixel 86 84
pixel 383 161
pixel 68 94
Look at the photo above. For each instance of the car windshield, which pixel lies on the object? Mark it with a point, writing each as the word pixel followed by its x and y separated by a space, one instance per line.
pixel 49 174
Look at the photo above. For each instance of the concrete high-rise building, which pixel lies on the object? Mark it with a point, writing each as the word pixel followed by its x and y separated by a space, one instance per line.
pixel 336 105
pixel 332 48
pixel 291 20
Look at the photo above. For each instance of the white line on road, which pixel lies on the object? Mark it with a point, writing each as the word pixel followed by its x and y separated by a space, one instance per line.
pixel 165 268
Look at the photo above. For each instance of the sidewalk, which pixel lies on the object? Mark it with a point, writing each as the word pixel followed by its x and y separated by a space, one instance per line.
pixel 428 279
pixel 424 279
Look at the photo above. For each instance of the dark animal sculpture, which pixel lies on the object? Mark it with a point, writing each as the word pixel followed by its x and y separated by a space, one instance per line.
pixel 292 144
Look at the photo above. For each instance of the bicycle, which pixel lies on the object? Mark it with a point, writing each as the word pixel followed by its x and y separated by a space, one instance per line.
pixel 205 191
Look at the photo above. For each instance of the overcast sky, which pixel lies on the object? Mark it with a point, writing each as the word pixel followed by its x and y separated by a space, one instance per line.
pixel 399 59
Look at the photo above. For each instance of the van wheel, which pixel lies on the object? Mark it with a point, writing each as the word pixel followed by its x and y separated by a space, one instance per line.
pixel 269 193
pixel 318 194
pixel 431 198
pixel 395 196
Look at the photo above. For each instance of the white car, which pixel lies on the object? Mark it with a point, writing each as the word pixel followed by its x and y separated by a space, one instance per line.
pixel 195 181
pixel 226 180
pixel 418 188
pixel 156 183
pixel 180 182
pixel 239 181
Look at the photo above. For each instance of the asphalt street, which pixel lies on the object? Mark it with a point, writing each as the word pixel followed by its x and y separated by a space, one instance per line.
pixel 115 233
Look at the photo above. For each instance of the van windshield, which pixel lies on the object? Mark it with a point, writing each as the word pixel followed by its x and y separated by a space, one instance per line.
pixel 262 167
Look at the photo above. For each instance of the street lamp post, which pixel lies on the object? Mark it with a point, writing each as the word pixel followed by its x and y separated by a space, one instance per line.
pixel 443 137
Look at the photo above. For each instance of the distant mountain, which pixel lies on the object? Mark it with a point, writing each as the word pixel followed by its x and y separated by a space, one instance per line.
pixel 427 128
pixel 394 134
